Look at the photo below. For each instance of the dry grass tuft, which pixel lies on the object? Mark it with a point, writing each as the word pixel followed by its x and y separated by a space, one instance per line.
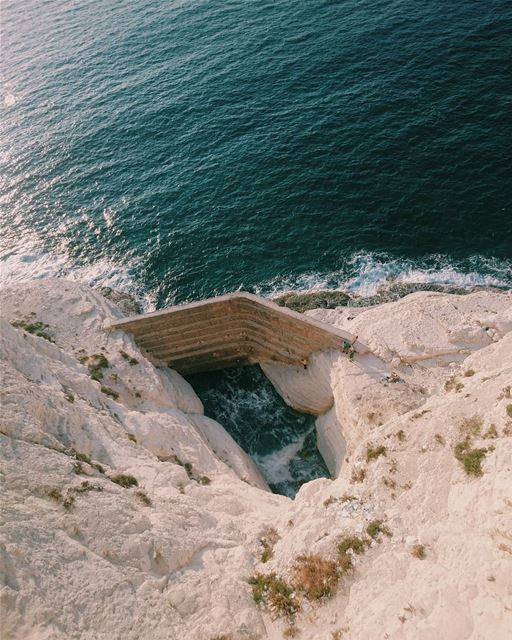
pixel 471 426
pixel 358 475
pixel 418 551
pixel 275 593
pixel 316 577
pixel 268 542
pixel 491 432
pixel 373 452
pixel 143 497
pixel 400 435
pixel 452 385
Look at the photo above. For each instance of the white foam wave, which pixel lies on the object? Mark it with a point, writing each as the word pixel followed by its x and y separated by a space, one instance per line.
pixel 31 263
pixel 366 274
pixel 275 465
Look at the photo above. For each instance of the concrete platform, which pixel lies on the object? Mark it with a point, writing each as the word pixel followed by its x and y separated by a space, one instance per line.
pixel 233 330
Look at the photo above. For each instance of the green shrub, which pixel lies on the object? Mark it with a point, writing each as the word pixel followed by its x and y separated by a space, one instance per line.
pixel 373 452
pixel 375 528
pixel 34 327
pixel 275 593
pixel 125 480
pixel 110 392
pixel 268 541
pixel 471 459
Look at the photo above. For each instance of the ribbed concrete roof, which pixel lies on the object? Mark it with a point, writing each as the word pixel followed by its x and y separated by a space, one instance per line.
pixel 232 330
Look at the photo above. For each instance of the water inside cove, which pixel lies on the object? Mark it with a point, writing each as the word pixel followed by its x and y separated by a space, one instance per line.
pixel 280 440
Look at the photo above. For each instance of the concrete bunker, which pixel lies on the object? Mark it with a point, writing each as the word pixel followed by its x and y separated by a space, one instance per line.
pixel 295 352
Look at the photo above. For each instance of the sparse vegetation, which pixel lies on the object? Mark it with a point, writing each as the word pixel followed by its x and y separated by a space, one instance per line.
pixel 78 467
pixel 125 480
pixel 291 632
pixel 95 363
pixel 393 466
pixel 358 475
pixel 34 327
pixel 130 359
pixel 347 546
pixel 275 593
pixel 390 483
pixel 143 497
pixel 268 542
pixel 84 487
pixel 375 528
pixel 506 392
pixel 373 452
pixel 316 577
pixel 346 497
pixel 471 459
pixel 453 385
pixel 68 502
pixel 491 432
pixel 131 437
pixel 69 397
pixel 469 372
pixel 400 435
pixel 55 494
pixel 439 438
pixel 418 551
pixel 110 392
pixel 204 480
pixel 508 410
pixel 471 426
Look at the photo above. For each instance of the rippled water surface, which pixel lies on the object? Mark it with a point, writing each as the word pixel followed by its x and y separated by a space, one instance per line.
pixel 280 440
pixel 189 148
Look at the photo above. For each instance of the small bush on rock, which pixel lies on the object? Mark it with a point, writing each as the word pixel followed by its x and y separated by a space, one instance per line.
pixel 316 577
pixel 275 593
pixel 471 459
pixel 268 541
pixel 375 528
pixel 34 327
pixel 125 480
pixel 110 392
pixel 418 551
pixel 373 452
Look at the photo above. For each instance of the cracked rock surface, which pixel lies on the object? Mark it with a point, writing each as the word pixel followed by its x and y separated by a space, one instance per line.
pixel 126 513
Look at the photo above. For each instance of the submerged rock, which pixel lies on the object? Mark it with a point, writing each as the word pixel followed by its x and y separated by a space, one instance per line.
pixel 124 301
pixel 315 300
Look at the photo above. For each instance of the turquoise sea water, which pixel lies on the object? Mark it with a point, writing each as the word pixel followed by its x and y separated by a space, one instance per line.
pixel 182 149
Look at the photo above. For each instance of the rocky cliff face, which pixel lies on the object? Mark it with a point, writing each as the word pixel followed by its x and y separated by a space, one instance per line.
pixel 126 513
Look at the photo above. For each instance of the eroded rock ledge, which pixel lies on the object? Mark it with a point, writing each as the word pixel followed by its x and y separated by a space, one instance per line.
pixel 427 426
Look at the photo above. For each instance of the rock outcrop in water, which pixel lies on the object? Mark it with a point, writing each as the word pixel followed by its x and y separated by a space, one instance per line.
pixel 129 514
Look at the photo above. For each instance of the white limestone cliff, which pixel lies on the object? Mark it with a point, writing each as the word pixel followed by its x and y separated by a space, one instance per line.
pixel 171 558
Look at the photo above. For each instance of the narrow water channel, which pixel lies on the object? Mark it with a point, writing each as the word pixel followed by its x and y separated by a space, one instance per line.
pixel 280 440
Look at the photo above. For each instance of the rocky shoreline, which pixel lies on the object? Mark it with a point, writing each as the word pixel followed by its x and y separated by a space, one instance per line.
pixel 126 513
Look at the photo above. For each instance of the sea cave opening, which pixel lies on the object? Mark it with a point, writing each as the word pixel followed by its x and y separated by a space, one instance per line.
pixel 281 441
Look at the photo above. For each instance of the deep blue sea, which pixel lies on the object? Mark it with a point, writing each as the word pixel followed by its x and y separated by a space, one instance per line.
pixel 182 149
